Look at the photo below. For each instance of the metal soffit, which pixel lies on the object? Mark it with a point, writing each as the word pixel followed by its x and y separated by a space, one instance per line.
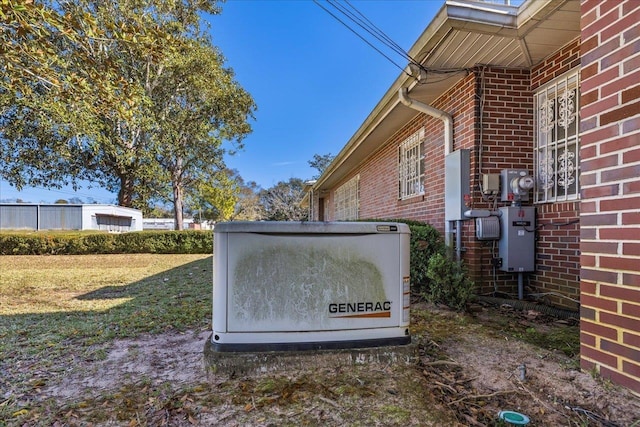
pixel 464 34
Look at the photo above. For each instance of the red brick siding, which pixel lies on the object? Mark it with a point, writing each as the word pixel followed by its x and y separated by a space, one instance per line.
pixel 558 254
pixel 558 241
pixel 610 132
pixel 556 64
pixel 379 175
pixel 506 142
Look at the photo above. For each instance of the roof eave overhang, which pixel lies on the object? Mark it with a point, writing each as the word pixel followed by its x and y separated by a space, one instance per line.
pixel 456 18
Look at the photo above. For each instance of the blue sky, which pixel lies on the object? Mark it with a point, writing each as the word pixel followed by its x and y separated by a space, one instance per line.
pixel 313 80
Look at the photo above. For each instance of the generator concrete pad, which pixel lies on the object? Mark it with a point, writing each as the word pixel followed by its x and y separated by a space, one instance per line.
pixel 233 364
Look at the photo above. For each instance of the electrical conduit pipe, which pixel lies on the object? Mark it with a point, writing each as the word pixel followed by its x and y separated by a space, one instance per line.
pixel 447 120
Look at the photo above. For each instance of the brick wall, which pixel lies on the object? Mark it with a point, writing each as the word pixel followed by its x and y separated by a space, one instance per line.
pixel 610 162
pixel 379 176
pixel 506 136
pixel 558 247
pixel 506 141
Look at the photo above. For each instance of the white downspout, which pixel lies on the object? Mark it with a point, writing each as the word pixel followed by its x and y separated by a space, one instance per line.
pixel 433 112
pixel 447 120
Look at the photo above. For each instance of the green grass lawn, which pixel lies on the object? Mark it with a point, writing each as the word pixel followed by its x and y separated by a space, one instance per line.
pixel 57 312
pixel 50 303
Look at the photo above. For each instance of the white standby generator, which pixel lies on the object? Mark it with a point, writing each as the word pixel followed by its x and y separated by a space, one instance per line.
pixel 310 285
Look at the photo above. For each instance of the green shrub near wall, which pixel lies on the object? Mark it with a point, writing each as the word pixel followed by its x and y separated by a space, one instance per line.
pixel 449 283
pixel 435 275
pixel 425 242
pixel 82 243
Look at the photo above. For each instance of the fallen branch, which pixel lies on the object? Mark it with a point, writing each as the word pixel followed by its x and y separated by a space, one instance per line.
pixel 543 403
pixel 329 401
pixel 472 421
pixel 483 396
pixel 448 387
pixel 441 362
pixel 466 380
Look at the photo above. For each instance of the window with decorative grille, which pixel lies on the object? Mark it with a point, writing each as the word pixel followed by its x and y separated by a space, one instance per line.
pixel 557 139
pixel 411 166
pixel 347 200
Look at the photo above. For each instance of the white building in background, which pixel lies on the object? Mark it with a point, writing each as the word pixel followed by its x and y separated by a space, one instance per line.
pixel 169 224
pixel 24 216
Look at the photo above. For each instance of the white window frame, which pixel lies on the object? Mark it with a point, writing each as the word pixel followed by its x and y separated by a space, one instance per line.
pixel 557 141
pixel 347 200
pixel 411 166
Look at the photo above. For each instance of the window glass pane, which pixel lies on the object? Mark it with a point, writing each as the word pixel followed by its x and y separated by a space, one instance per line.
pixel 410 168
pixel 566 170
pixel 347 200
pixel 569 112
pixel 557 136
pixel 545 173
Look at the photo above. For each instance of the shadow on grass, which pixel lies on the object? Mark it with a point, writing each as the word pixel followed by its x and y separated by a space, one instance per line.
pixel 176 299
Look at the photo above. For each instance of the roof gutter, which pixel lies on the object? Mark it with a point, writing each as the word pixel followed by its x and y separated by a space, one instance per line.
pixel 446 118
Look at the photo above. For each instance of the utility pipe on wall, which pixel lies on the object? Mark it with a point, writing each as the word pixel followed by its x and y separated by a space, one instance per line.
pixel 447 120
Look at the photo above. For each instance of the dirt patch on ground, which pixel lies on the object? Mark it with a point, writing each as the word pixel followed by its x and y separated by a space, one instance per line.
pixel 468 370
pixel 491 374
pixel 152 359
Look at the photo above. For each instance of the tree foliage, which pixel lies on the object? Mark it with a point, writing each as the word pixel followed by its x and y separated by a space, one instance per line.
pixel 130 94
pixel 197 106
pixel 282 201
pixel 248 207
pixel 57 47
pixel 320 162
pixel 214 199
pixel 224 196
pixel 58 78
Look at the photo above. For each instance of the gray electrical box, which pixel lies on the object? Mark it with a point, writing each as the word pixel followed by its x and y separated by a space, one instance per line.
pixel 517 238
pixel 457 169
pixel 490 183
